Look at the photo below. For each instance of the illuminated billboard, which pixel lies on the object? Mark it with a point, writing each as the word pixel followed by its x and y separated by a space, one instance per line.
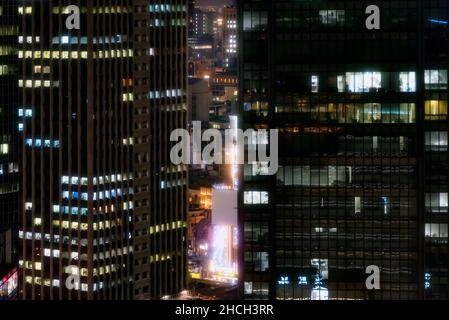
pixel 8 285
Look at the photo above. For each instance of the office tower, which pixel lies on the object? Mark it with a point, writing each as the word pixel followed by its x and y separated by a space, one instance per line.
pixel 160 106
pixel 230 38
pixel 190 10
pixel 363 173
pixel 76 121
pixel 203 21
pixel 9 162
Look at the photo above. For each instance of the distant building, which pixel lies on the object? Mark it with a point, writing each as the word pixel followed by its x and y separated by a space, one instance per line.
pixel 202 22
pixel 199 100
pixel 230 46
pixel 224 87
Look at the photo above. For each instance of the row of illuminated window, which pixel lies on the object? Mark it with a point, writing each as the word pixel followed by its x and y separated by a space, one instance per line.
pixel 55 283
pixel 167 226
pixel 260 289
pixel 12 167
pixel 29 39
pixel 436 140
pixel 127 97
pixel 41 69
pixel 73 225
pixel 84 211
pixel 7 50
pixel 156 258
pixel 340 175
pixel 368 203
pixel 172 184
pixel 437 202
pixel 72 210
pixel 4 148
pixel 9 188
pixel 38 84
pixel 100 179
pixel 55 238
pixel 128 141
pixel 435 110
pixel 167 8
pixel 436 230
pixel 6 70
pixel 169 93
pixel 95 10
pixel 25 112
pixel 72 270
pixel 255 20
pixel 9 30
pixel 25 10
pixel 95 40
pixel 42 143
pixel 159 257
pixel 367 81
pixel 173 22
pixel 102 54
pixel 55 253
pixel 360 113
pixel 108 194
pixel 255 197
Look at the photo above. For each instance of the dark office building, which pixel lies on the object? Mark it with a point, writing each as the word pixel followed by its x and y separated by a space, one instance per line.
pixel 160 106
pixel 9 161
pixel 363 149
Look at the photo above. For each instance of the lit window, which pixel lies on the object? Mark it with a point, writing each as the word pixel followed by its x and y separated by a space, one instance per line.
pixel 255 197
pixel 407 81
pixel 437 202
pixel 435 109
pixel 436 141
pixel 357 205
pixel 314 82
pixel 435 79
pixel 436 230
pixel 4 148
pixel 341 84
pixel 332 17
pixel 363 81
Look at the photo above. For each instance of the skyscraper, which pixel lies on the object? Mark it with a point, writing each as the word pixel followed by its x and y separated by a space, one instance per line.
pixel 104 211
pixel 83 144
pixel 76 118
pixel 363 175
pixel 230 38
pixel 9 161
pixel 160 106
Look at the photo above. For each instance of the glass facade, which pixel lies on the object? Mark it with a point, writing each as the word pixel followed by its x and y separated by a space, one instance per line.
pixel 363 174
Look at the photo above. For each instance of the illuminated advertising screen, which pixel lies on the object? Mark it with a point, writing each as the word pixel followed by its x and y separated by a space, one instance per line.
pixel 8 285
